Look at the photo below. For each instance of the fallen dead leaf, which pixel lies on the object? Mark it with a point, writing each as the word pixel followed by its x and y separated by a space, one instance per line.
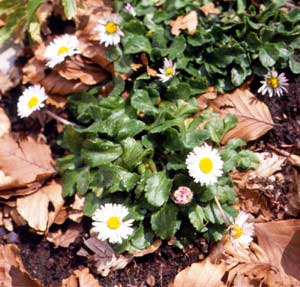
pixel 12 271
pixel 82 278
pixel 254 117
pixel 34 208
pixel 64 239
pixel 292 158
pixel 4 123
pixel 293 205
pixel 151 249
pixel 209 8
pixel 189 22
pixel 101 257
pixel 24 162
pixel 281 242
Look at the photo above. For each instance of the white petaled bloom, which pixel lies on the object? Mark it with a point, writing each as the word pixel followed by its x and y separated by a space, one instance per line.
pixel 60 48
pixel 109 30
pixel 183 195
pixel 168 71
pixel 31 100
pixel 204 165
pixel 109 223
pixel 241 232
pixel 274 84
pixel 128 8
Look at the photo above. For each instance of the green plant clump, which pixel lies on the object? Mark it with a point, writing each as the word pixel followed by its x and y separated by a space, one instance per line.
pixel 133 152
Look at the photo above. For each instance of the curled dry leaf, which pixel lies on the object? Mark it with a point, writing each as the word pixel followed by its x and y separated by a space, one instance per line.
pixel 64 239
pixel 293 205
pixel 24 161
pixel 34 72
pixel 12 271
pixel 281 242
pixel 189 22
pixel 35 210
pixel 254 117
pixel 103 258
pixel 4 123
pixel 82 278
pixel 209 8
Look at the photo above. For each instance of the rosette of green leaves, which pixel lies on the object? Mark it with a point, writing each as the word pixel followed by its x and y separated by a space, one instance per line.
pixel 133 152
pixel 224 51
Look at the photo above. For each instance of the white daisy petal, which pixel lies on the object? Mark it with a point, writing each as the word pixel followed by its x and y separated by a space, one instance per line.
pixel 31 100
pixel 60 48
pixel 109 31
pixel 109 223
pixel 168 71
pixel 204 165
pixel 274 84
pixel 241 231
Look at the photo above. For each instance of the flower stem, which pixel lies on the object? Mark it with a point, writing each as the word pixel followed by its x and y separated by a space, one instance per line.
pixel 225 219
pixel 59 119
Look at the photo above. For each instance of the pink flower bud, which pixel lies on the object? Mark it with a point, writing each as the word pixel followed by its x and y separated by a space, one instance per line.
pixel 183 195
pixel 128 8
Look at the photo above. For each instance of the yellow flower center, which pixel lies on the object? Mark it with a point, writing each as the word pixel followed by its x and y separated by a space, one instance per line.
pixel 206 165
pixel 113 222
pixel 236 231
pixel 169 71
pixel 62 50
pixel 111 27
pixel 33 102
pixel 273 82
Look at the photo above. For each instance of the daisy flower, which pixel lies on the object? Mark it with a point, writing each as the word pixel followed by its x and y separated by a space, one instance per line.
pixel 183 195
pixel 128 8
pixel 274 84
pixel 168 71
pixel 31 100
pixel 241 232
pixel 109 223
pixel 204 164
pixel 109 30
pixel 60 48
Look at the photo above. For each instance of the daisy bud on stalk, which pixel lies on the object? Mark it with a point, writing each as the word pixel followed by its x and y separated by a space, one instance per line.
pixel 183 195
pixel 109 223
pixel 241 232
pixel 274 84
pixel 128 8
pixel 109 30
pixel 60 48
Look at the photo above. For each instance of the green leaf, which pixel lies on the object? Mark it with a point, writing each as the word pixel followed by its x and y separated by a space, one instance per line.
pixel 142 239
pixel 141 101
pixel 99 152
pixel 157 188
pixel 164 221
pixel 197 217
pixel 294 65
pixel 70 8
pixel 69 180
pixel 31 8
pixel 134 44
pixel 268 55
pixel 91 203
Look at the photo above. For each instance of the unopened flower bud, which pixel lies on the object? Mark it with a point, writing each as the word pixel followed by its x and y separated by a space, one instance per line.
pixel 183 195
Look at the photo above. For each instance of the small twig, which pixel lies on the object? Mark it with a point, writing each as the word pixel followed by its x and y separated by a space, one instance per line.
pixel 59 119
pixel 292 158
pixel 222 212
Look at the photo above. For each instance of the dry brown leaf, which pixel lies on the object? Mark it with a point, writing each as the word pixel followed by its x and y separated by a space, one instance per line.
pixel 151 249
pixel 189 22
pixel 77 69
pixel 34 72
pixel 34 208
pixel 209 8
pixel 4 123
pixel 281 242
pixel 204 273
pixel 82 278
pixel 101 257
pixel 254 117
pixel 292 158
pixel 64 239
pixel 293 205
pixel 24 161
pixel 12 271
